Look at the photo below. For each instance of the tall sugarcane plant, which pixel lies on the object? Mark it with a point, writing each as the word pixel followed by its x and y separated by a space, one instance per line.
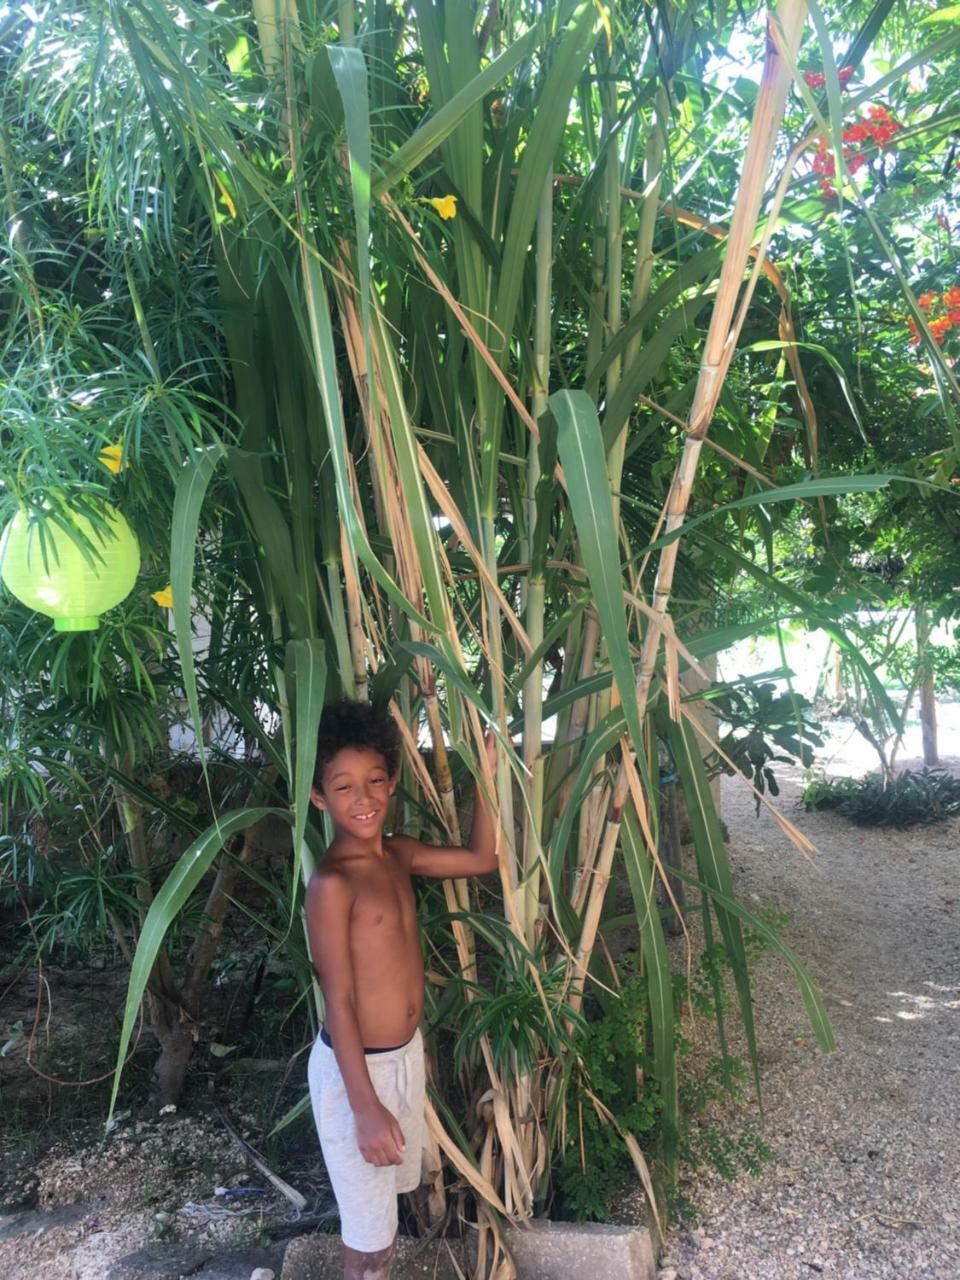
pixel 458 296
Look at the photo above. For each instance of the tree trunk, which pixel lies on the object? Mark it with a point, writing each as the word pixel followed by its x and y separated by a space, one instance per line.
pixel 163 996
pixel 928 699
pixel 176 1050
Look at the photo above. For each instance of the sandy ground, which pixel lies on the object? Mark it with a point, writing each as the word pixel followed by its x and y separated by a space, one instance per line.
pixel 865 1179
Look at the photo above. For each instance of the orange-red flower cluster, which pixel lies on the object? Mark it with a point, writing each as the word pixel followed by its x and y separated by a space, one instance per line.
pixel 942 312
pixel 881 126
pixel 877 126
pixel 816 79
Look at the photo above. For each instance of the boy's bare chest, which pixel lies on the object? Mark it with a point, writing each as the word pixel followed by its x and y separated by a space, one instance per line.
pixel 384 902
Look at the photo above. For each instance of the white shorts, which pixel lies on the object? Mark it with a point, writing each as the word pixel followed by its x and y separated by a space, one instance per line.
pixel 367 1193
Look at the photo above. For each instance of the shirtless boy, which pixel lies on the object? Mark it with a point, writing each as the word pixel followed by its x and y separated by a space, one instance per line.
pixel 366 1068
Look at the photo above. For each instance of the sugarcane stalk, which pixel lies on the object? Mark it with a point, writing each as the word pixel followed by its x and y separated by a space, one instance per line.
pixel 722 333
pixel 536 585
pixel 721 341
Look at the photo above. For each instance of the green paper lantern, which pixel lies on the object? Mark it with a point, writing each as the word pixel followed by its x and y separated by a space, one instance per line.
pixel 71 584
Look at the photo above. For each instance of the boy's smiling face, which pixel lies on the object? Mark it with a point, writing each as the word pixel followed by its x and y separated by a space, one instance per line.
pixel 355 790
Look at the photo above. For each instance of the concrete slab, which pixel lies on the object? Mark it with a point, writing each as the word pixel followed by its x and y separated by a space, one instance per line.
pixel 581 1251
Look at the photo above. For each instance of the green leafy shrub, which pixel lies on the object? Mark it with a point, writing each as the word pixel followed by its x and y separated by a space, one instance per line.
pixel 763 726
pixel 615 1073
pixel 929 795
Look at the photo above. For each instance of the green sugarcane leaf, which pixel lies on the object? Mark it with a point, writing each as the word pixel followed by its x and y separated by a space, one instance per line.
pixel 802 491
pixel 306 669
pixel 593 747
pixel 441 124
pixel 177 888
pixel 812 1000
pixel 465 687
pixel 192 484
pixel 699 268
pixel 282 583
pixel 350 73
pixel 826 355
pixel 815 614
pixel 641 873
pixel 565 68
pixel 583 456
pixel 324 355
pixel 714 868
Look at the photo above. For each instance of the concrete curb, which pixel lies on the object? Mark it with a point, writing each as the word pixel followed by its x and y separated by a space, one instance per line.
pixel 581 1251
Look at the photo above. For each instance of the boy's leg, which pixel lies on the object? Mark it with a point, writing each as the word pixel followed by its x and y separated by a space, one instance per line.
pixel 367 1266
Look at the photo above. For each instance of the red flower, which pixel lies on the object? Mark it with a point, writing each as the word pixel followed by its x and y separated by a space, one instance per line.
pixel 914 330
pixel 856 133
pixel 954 316
pixel 845 74
pixel 814 79
pixel 952 297
pixel 823 161
pixel 940 328
pixel 926 300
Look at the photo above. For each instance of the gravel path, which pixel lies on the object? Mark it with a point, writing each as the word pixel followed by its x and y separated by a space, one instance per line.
pixel 865 1179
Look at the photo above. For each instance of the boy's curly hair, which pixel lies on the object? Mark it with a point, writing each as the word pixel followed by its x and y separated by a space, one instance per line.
pixel 346 723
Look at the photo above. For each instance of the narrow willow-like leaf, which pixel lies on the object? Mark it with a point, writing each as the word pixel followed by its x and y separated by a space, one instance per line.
pixel 177 888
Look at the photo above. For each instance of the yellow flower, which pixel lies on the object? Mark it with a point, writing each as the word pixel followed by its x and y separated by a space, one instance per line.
pixel 163 598
pixel 446 206
pixel 112 458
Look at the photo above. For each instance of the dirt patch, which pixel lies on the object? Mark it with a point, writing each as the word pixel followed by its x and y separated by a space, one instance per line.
pixel 865 1169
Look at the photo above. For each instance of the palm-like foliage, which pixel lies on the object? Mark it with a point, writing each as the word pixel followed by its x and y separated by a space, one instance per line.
pixel 424 458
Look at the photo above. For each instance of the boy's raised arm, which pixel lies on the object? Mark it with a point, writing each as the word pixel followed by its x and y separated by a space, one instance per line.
pixel 478 857
pixel 327 907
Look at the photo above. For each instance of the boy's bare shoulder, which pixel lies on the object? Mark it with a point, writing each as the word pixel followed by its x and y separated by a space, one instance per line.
pixel 403 848
pixel 328 887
